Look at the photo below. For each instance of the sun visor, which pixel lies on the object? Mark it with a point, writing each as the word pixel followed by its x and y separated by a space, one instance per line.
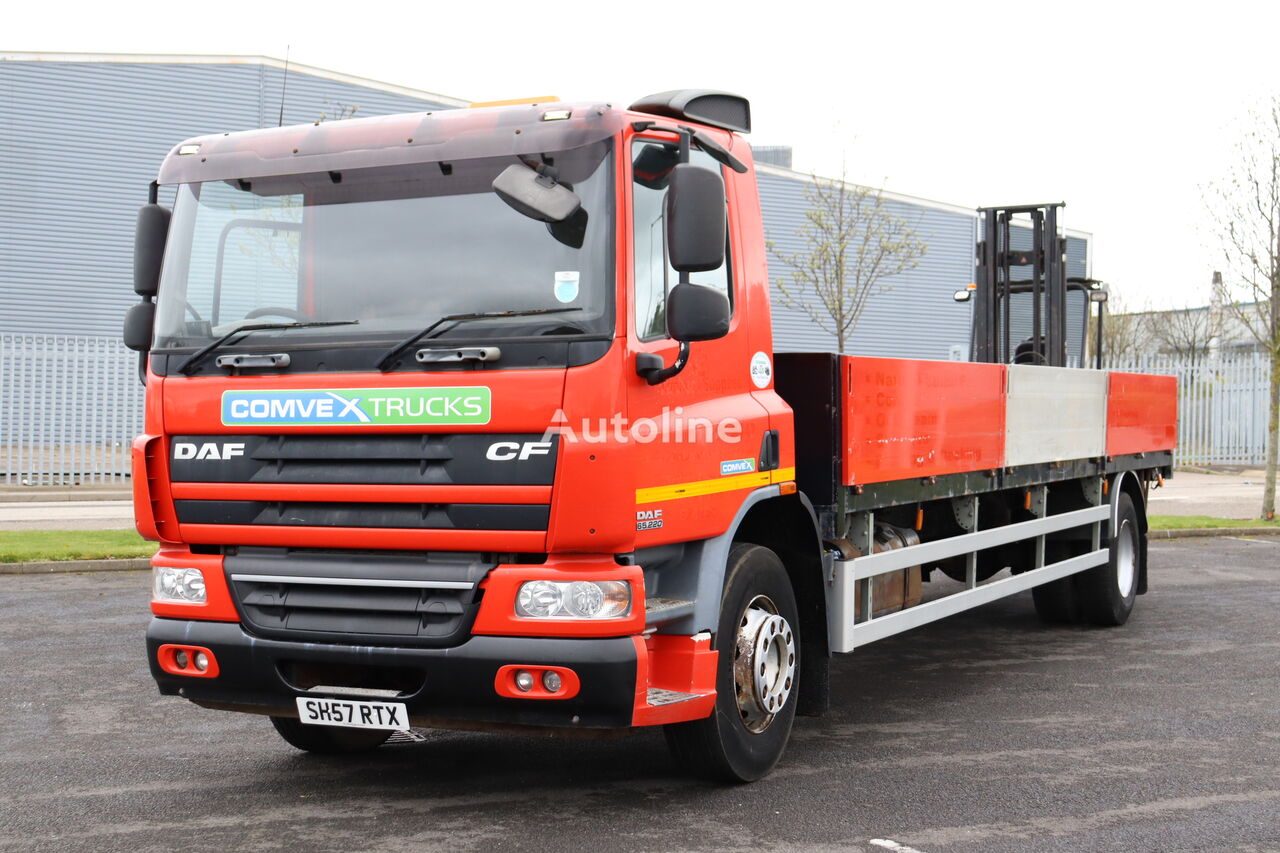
pixel 435 137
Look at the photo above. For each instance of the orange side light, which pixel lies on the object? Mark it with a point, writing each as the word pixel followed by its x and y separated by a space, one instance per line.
pixel 787 488
pixel 512 102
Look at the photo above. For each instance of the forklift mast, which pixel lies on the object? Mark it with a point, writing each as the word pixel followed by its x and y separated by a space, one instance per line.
pixel 995 286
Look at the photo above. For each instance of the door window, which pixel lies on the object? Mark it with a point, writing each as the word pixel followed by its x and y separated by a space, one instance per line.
pixel 654 276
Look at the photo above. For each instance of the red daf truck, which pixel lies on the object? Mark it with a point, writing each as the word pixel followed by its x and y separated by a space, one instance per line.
pixel 473 419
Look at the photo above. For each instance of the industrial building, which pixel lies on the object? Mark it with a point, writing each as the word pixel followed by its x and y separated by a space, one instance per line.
pixel 81 137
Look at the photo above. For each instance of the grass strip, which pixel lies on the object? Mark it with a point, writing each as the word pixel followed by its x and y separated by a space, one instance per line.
pixel 27 546
pixel 1183 522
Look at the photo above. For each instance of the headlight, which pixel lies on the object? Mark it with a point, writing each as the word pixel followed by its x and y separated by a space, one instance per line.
pixel 573 599
pixel 182 585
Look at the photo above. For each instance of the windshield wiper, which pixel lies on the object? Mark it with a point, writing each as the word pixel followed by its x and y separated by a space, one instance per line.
pixel 390 355
pixel 196 357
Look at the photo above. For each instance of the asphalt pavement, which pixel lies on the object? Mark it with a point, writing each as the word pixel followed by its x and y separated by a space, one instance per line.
pixel 986 732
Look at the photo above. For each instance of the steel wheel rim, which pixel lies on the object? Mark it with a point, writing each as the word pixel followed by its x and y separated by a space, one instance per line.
pixel 764 663
pixel 1126 559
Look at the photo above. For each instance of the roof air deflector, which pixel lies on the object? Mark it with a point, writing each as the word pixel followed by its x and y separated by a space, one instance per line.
pixel 718 109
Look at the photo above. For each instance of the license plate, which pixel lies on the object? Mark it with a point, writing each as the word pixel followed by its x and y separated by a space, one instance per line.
pixel 355 715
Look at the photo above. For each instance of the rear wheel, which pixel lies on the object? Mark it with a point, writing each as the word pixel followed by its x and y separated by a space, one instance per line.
pixel 1106 594
pixel 328 740
pixel 757 674
pixel 1056 601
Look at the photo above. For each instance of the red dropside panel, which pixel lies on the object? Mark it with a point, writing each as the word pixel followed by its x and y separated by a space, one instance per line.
pixel 1142 413
pixel 906 418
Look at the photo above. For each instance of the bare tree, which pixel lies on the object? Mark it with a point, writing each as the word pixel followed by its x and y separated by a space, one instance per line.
pixel 855 245
pixel 1188 332
pixel 1246 209
pixel 1122 331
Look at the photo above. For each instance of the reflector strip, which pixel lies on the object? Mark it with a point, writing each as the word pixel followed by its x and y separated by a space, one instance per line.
pixel 698 488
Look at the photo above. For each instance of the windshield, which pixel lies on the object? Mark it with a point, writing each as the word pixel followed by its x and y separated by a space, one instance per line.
pixel 393 249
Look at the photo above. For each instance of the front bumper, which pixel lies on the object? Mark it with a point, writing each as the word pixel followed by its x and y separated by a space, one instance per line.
pixel 457 683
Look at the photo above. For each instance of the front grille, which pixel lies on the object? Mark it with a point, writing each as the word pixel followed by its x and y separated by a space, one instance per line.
pixel 391 459
pixel 429 482
pixel 396 515
pixel 373 598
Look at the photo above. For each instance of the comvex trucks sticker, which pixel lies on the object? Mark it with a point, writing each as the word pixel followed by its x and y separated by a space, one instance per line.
pixel 353 406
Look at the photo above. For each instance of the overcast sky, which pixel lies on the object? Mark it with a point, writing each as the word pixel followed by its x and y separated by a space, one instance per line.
pixel 1124 110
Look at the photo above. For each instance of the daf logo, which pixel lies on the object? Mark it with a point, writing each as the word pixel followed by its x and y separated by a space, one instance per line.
pixel 506 451
pixel 208 450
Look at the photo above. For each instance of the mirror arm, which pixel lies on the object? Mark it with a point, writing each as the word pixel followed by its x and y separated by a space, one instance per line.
pixel 649 365
pixel 710 146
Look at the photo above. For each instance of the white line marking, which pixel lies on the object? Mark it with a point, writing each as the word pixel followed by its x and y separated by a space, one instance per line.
pixel 1259 541
pixel 889 844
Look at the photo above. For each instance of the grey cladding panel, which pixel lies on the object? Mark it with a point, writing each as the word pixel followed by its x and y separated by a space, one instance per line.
pixel 915 318
pixel 80 141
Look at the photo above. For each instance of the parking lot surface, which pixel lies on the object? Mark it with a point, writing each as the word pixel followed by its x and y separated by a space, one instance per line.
pixel 986 732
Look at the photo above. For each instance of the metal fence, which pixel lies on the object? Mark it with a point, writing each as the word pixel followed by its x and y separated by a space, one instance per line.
pixel 1222 406
pixel 69 409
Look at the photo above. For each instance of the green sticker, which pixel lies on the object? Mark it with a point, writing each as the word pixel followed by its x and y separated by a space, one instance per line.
pixel 358 406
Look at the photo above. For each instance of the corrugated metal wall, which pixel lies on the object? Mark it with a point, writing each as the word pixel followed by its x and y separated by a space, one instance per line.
pixel 80 141
pixel 917 318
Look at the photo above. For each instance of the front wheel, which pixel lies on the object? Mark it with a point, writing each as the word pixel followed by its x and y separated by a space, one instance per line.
pixel 757 674
pixel 328 740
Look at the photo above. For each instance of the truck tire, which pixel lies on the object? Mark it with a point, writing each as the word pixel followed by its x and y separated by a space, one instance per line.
pixel 757 674
pixel 1056 601
pixel 1106 593
pixel 328 740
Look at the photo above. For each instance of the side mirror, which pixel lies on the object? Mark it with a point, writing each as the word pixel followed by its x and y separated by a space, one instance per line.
pixel 148 248
pixel 139 325
pixel 536 194
pixel 697 313
pixel 695 220
pixel 653 165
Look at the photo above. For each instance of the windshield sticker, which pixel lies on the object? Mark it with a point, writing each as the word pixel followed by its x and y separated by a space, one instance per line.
pixel 357 406
pixel 566 286
pixel 737 466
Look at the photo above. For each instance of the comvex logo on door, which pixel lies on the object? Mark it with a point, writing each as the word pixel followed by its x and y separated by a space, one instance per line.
pixel 358 406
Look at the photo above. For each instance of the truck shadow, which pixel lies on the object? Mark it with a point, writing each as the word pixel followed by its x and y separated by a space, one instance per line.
pixel 911 687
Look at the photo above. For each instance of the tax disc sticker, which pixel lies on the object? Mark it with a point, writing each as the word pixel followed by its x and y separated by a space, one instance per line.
pixel 566 286
pixel 761 370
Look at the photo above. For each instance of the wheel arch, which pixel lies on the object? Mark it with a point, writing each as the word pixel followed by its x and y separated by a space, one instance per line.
pixel 788 526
